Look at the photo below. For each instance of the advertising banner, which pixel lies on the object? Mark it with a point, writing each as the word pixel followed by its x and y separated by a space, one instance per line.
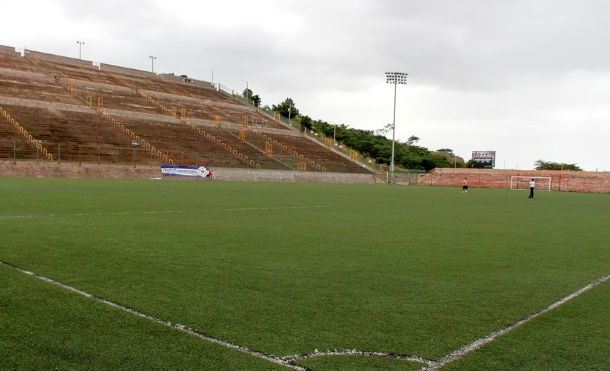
pixel 185 171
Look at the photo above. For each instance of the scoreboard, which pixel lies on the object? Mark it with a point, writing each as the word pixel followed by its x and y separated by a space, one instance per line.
pixel 484 159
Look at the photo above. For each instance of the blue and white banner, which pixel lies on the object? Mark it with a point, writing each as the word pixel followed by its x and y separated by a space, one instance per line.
pixel 185 171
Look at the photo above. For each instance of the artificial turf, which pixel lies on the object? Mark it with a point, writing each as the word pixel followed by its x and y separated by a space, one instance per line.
pixel 289 268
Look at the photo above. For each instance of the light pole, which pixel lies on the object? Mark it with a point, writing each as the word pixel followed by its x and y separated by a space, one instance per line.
pixel 80 46
pixel 335 134
pixel 152 63
pixel 248 98
pixel 394 78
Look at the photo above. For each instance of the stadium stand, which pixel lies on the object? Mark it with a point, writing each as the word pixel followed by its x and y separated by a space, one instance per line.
pixel 82 112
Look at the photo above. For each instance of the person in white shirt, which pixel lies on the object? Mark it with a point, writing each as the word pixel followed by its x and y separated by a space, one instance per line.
pixel 532 186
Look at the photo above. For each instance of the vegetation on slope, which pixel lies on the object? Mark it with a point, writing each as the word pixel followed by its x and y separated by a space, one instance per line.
pixel 373 143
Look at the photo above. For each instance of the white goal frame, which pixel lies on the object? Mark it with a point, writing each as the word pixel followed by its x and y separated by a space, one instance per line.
pixel 515 185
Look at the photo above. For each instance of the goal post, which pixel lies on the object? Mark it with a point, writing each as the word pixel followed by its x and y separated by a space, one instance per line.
pixel 543 183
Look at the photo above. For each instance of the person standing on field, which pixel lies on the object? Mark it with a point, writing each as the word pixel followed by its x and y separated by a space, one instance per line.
pixel 465 186
pixel 532 186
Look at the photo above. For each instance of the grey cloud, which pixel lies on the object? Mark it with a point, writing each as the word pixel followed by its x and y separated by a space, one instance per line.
pixel 490 63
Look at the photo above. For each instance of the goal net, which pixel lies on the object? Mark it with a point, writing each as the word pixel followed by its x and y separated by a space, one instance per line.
pixel 543 183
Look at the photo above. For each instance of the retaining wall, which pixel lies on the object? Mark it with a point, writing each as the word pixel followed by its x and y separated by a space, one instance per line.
pixel 47 169
pixel 568 181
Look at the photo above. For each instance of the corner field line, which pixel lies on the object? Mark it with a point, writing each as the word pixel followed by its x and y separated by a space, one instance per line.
pixel 153 212
pixel 354 352
pixel 177 326
pixel 491 337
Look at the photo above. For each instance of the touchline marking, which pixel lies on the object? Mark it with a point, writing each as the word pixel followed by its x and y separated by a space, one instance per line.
pixel 152 212
pixel 354 352
pixel 112 213
pixel 170 324
pixel 272 208
pixel 491 337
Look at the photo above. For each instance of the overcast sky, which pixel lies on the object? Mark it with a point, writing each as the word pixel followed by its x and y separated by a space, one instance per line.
pixel 529 79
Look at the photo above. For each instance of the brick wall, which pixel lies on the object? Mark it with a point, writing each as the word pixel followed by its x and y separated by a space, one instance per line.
pixel 568 181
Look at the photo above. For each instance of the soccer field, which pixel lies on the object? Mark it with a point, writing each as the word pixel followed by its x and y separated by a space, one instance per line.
pixel 98 274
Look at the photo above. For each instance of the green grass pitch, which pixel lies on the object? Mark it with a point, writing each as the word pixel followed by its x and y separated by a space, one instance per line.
pixel 288 269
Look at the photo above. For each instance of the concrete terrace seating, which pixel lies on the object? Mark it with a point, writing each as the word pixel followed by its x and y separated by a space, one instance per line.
pixel 34 87
pixel 71 136
pixel 52 125
pixel 12 144
pixel 187 147
pixel 11 59
pixel 114 97
pixel 55 98
pixel 80 71
pixel 330 160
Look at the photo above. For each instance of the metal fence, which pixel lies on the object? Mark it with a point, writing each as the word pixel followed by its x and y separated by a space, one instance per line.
pixel 135 155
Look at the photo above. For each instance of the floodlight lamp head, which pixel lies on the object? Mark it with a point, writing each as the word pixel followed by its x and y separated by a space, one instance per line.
pixel 396 77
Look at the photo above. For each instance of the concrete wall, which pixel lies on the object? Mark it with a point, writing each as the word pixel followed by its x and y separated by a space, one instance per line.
pixel 252 175
pixel 59 59
pixel 127 71
pixel 569 181
pixel 8 50
pixel 47 169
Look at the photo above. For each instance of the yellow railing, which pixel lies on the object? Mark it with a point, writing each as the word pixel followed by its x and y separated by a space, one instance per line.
pixel 268 139
pixel 125 130
pixel 71 88
pixel 174 113
pixel 243 157
pixel 27 136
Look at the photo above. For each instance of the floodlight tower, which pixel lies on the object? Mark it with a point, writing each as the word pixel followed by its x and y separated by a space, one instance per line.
pixel 248 98
pixel 80 47
pixel 152 63
pixel 394 78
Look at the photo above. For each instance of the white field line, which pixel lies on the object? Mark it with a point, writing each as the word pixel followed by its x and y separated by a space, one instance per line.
pixel 354 352
pixel 457 354
pixel 177 326
pixel 288 361
pixel 152 212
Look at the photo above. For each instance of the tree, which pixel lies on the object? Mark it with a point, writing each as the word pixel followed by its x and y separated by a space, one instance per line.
pixel 286 107
pixel 384 130
pixel 445 150
pixel 256 100
pixel 412 140
pixel 549 165
pixel 306 122
pixel 249 94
